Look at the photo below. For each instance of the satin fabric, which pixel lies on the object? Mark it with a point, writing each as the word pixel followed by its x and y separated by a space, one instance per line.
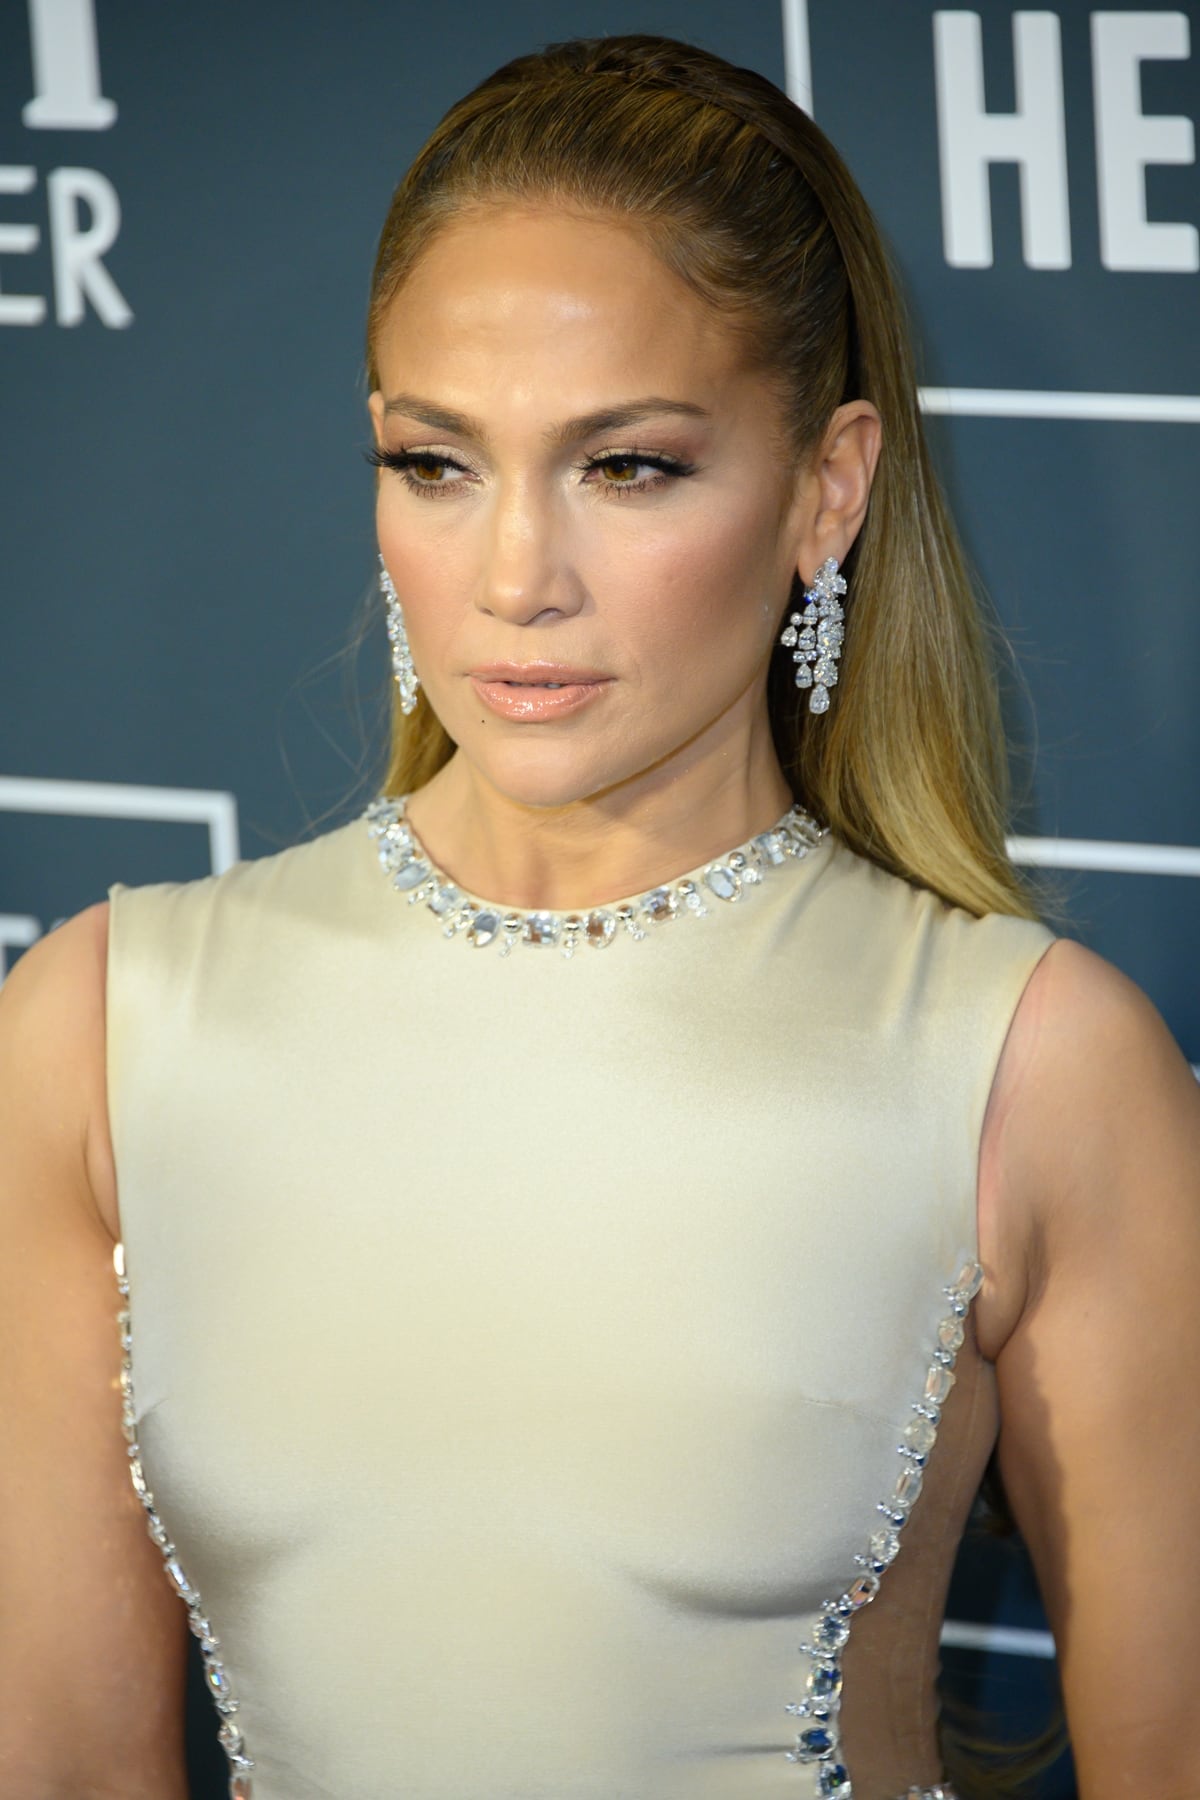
pixel 521 1345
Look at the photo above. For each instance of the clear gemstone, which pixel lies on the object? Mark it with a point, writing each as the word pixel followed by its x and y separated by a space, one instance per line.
pixel 723 881
pixel 628 919
pixel 907 1488
pixel 660 904
pixel 230 1738
pixel 810 613
pixel 601 929
pixel 885 1546
pixel 919 1435
pixel 410 874
pixel 831 1631
pixel 938 1383
pixel 807 639
pixel 218 1681
pixel 825 672
pixel 541 928
pixel 803 675
pixel 789 636
pixel 819 700
pixel 445 899
pixel 825 1682
pixel 814 1743
pixel 833 1783
pixel 968 1281
pixel 174 1569
pixel 770 846
pixel 950 1334
pixel 862 1591
pixel 483 928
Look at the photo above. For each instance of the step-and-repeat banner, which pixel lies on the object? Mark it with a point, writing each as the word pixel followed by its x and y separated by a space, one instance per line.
pixel 193 668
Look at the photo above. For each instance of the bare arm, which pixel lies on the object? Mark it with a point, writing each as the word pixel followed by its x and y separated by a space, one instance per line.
pixel 92 1636
pixel 1090 1216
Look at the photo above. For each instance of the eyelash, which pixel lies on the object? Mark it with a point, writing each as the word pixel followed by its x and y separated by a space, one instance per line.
pixel 402 461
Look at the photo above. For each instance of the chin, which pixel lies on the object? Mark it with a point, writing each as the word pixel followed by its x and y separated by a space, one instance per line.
pixel 535 775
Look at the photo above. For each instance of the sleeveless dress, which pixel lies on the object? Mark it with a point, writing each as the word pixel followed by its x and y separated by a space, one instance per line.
pixel 547 1377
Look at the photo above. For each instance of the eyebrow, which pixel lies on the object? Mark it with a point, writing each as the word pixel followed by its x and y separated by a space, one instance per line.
pixel 567 431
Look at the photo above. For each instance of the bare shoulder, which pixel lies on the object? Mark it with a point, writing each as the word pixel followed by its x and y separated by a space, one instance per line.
pixel 93 1656
pixel 1090 1240
pixel 1094 1114
pixel 52 1048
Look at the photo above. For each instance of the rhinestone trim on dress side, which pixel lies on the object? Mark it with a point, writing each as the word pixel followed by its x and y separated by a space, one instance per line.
pixel 215 1672
pixel 819 1740
pixel 728 878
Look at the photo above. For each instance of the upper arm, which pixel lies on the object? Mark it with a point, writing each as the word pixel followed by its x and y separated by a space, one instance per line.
pixel 92 1635
pixel 1095 1149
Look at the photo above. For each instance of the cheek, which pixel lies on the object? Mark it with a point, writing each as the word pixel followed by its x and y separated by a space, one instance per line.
pixel 703 594
pixel 428 566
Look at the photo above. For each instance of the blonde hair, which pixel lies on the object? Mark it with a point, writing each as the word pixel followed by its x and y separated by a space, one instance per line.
pixel 749 203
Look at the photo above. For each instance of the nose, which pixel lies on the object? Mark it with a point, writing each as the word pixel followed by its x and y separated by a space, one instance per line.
pixel 526 576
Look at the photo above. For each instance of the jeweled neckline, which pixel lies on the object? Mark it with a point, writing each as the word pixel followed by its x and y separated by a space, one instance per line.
pixel 727 878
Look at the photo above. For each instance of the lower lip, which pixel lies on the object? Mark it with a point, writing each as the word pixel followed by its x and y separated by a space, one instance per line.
pixel 534 703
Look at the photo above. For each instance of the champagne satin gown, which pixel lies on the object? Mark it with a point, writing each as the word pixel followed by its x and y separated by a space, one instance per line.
pixel 544 1372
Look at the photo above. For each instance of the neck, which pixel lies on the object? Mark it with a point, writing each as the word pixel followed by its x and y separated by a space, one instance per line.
pixel 577 853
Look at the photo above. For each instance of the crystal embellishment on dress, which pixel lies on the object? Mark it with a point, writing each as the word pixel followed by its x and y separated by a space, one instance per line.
pixel 727 878
pixel 819 1739
pixel 215 1673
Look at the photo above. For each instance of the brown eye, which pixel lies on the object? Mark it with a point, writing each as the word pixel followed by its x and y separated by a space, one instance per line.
pixel 618 469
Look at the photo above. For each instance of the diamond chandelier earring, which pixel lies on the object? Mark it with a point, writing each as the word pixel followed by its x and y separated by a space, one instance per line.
pixel 407 679
pixel 815 635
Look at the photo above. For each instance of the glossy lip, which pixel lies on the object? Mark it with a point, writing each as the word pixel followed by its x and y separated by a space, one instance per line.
pixel 529 704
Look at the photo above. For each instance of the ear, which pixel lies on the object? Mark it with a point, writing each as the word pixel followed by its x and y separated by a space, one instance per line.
pixel 840 477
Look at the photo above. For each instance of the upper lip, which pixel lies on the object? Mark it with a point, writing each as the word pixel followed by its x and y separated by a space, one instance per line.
pixel 535 671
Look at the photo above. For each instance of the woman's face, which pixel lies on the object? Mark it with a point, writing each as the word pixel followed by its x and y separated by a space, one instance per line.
pixel 651 551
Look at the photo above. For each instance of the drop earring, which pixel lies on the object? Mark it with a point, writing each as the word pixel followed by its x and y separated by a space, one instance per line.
pixel 815 635
pixel 407 679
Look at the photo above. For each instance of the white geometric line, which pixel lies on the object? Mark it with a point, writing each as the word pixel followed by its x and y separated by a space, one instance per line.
pixel 17 932
pixel 21 929
pixel 1010 1640
pixel 117 800
pixel 1042 403
pixel 990 403
pixel 1096 853
pixel 797 55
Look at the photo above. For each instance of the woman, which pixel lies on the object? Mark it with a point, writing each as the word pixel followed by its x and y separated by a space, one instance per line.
pixel 567 1315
